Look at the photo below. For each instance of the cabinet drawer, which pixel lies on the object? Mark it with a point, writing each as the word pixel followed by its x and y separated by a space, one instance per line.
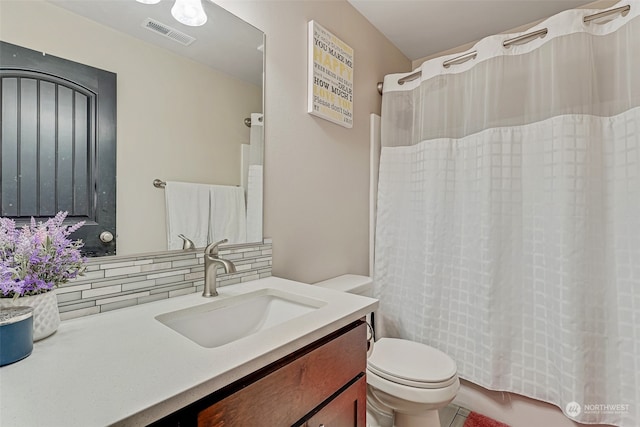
pixel 348 409
pixel 284 396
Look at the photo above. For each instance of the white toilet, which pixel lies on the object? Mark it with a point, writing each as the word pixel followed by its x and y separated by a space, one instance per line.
pixel 407 382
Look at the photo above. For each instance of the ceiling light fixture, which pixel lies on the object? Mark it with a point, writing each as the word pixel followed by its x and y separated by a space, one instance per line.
pixel 187 12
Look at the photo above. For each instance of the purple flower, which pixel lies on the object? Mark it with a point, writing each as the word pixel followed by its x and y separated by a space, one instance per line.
pixel 39 256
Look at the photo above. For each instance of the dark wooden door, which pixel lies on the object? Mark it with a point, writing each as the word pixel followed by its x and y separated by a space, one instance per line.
pixel 58 143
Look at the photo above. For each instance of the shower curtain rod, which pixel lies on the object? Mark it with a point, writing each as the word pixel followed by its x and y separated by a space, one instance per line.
pixel 507 43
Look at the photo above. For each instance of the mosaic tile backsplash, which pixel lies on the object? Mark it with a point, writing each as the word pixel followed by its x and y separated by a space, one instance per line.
pixel 110 283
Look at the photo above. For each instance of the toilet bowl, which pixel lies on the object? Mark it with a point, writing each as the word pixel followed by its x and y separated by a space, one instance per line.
pixel 407 382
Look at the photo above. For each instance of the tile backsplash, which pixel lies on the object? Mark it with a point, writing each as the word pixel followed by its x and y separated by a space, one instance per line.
pixel 110 283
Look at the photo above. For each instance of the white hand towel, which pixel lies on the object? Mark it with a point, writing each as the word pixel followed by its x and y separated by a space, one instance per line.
pixel 227 218
pixel 187 207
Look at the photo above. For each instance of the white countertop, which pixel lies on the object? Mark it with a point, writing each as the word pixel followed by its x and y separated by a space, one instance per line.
pixel 126 368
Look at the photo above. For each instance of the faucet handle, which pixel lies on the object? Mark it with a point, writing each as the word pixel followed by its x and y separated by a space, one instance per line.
pixel 187 243
pixel 212 248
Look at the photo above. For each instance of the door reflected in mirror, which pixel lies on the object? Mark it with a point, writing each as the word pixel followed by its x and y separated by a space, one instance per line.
pixel 182 100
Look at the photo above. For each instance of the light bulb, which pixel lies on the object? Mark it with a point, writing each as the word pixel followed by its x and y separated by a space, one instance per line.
pixel 189 12
pixel 148 1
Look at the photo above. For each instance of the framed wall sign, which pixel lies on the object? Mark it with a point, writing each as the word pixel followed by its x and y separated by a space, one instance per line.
pixel 330 83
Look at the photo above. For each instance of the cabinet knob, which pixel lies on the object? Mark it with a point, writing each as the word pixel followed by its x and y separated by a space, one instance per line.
pixel 106 237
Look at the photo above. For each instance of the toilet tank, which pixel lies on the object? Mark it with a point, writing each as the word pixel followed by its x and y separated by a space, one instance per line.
pixel 351 283
pixel 354 284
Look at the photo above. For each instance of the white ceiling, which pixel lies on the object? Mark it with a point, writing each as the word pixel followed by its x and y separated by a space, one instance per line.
pixel 225 42
pixel 421 28
pixel 418 28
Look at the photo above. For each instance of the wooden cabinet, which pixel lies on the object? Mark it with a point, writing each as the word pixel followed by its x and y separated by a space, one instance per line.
pixel 321 384
pixel 329 377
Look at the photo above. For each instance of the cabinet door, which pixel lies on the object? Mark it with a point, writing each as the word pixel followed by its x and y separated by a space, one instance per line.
pixel 348 409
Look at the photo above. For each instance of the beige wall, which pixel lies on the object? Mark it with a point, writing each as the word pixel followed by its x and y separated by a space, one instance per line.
pixel 316 172
pixel 177 119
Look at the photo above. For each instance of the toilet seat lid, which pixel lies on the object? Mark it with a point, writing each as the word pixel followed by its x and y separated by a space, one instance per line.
pixel 411 363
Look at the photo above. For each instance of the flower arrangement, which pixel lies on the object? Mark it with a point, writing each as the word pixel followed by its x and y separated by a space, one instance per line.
pixel 37 257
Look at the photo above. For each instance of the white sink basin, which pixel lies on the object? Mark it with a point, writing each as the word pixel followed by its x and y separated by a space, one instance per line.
pixel 229 319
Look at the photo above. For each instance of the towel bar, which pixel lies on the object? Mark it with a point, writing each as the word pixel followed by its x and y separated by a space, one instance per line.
pixel 158 183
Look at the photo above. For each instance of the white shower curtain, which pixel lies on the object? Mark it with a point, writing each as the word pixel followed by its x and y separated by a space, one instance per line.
pixel 508 228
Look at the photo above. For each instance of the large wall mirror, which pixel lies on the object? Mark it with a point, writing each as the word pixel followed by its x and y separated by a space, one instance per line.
pixel 189 100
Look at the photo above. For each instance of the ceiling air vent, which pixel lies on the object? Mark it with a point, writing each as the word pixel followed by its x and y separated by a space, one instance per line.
pixel 167 31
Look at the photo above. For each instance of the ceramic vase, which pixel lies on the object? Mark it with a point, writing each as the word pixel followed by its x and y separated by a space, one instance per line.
pixel 46 317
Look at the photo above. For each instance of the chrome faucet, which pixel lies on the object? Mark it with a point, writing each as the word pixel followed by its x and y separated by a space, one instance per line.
pixel 211 263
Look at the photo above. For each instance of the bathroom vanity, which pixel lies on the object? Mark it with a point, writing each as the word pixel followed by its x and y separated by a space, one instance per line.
pixel 321 384
pixel 127 368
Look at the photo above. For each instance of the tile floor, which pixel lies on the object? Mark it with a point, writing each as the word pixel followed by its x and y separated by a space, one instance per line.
pixel 453 416
pixel 450 416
